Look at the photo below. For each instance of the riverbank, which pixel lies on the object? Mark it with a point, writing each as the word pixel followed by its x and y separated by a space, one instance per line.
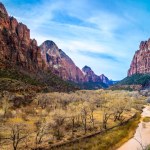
pixel 107 140
pixel 142 134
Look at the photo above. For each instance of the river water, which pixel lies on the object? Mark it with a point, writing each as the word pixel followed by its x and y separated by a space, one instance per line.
pixel 142 134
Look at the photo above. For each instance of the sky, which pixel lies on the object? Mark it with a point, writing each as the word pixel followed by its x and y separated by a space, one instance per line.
pixel 102 34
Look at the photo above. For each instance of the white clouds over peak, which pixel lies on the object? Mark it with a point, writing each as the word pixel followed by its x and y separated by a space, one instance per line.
pixel 91 32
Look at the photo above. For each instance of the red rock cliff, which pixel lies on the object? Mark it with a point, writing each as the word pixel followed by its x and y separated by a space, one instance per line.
pixel 16 47
pixel 61 64
pixel 141 59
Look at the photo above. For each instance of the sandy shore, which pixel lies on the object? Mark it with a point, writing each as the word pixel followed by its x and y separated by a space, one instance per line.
pixel 142 135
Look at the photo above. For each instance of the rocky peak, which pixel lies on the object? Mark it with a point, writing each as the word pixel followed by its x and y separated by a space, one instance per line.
pixel 3 9
pixel 104 79
pixel 90 75
pixel 141 60
pixel 86 69
pixel 49 45
pixel 50 48
pixel 60 63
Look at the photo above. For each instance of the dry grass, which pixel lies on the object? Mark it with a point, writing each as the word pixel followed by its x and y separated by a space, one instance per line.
pixel 146 119
pixel 33 112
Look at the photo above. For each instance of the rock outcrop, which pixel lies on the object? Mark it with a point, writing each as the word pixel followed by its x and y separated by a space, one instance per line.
pixel 90 76
pixel 141 59
pixel 60 64
pixel 16 47
pixel 104 79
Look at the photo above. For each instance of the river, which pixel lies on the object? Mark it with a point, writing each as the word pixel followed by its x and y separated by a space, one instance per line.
pixel 141 136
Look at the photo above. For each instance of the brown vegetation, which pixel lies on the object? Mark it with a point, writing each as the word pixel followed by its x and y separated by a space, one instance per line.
pixel 53 118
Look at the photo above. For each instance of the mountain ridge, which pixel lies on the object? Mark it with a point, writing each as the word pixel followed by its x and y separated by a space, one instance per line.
pixel 18 51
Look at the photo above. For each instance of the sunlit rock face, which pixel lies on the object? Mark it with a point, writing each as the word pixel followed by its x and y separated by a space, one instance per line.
pixel 61 64
pixel 16 47
pixel 90 75
pixel 141 60
pixel 104 79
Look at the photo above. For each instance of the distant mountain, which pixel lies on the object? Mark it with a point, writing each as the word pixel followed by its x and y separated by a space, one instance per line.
pixel 60 63
pixel 106 80
pixel 63 66
pixel 90 75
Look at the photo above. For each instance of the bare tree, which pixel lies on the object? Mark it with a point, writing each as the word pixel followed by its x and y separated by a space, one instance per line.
pixel 42 129
pixel 72 114
pixel 6 96
pixel 92 109
pixel 58 118
pixel 84 115
pixel 17 133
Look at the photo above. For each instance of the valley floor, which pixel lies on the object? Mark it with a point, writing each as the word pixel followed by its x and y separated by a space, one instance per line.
pixel 53 118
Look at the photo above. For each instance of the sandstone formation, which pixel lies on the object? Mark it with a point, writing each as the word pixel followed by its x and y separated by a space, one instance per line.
pixel 90 75
pixel 105 80
pixel 141 59
pixel 61 64
pixel 16 47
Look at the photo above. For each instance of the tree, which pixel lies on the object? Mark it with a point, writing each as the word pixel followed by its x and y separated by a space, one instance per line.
pixel 58 118
pixel 6 96
pixel 119 106
pixel 91 109
pixel 42 129
pixel 17 133
pixel 84 115
pixel 72 114
pixel 106 115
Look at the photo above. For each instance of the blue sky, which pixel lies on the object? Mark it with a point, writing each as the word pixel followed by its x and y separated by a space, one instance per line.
pixel 103 34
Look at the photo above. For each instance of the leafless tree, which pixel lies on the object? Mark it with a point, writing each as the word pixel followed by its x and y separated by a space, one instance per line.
pixel 84 115
pixel 58 118
pixel 17 133
pixel 42 129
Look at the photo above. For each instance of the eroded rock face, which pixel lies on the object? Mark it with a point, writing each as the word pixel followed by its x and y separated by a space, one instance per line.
pixel 16 47
pixel 141 60
pixel 104 79
pixel 61 64
pixel 90 75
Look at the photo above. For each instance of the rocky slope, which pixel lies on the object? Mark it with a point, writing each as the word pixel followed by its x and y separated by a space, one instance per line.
pixel 23 55
pixel 20 57
pixel 16 47
pixel 105 80
pixel 141 59
pixel 61 64
pixel 90 76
